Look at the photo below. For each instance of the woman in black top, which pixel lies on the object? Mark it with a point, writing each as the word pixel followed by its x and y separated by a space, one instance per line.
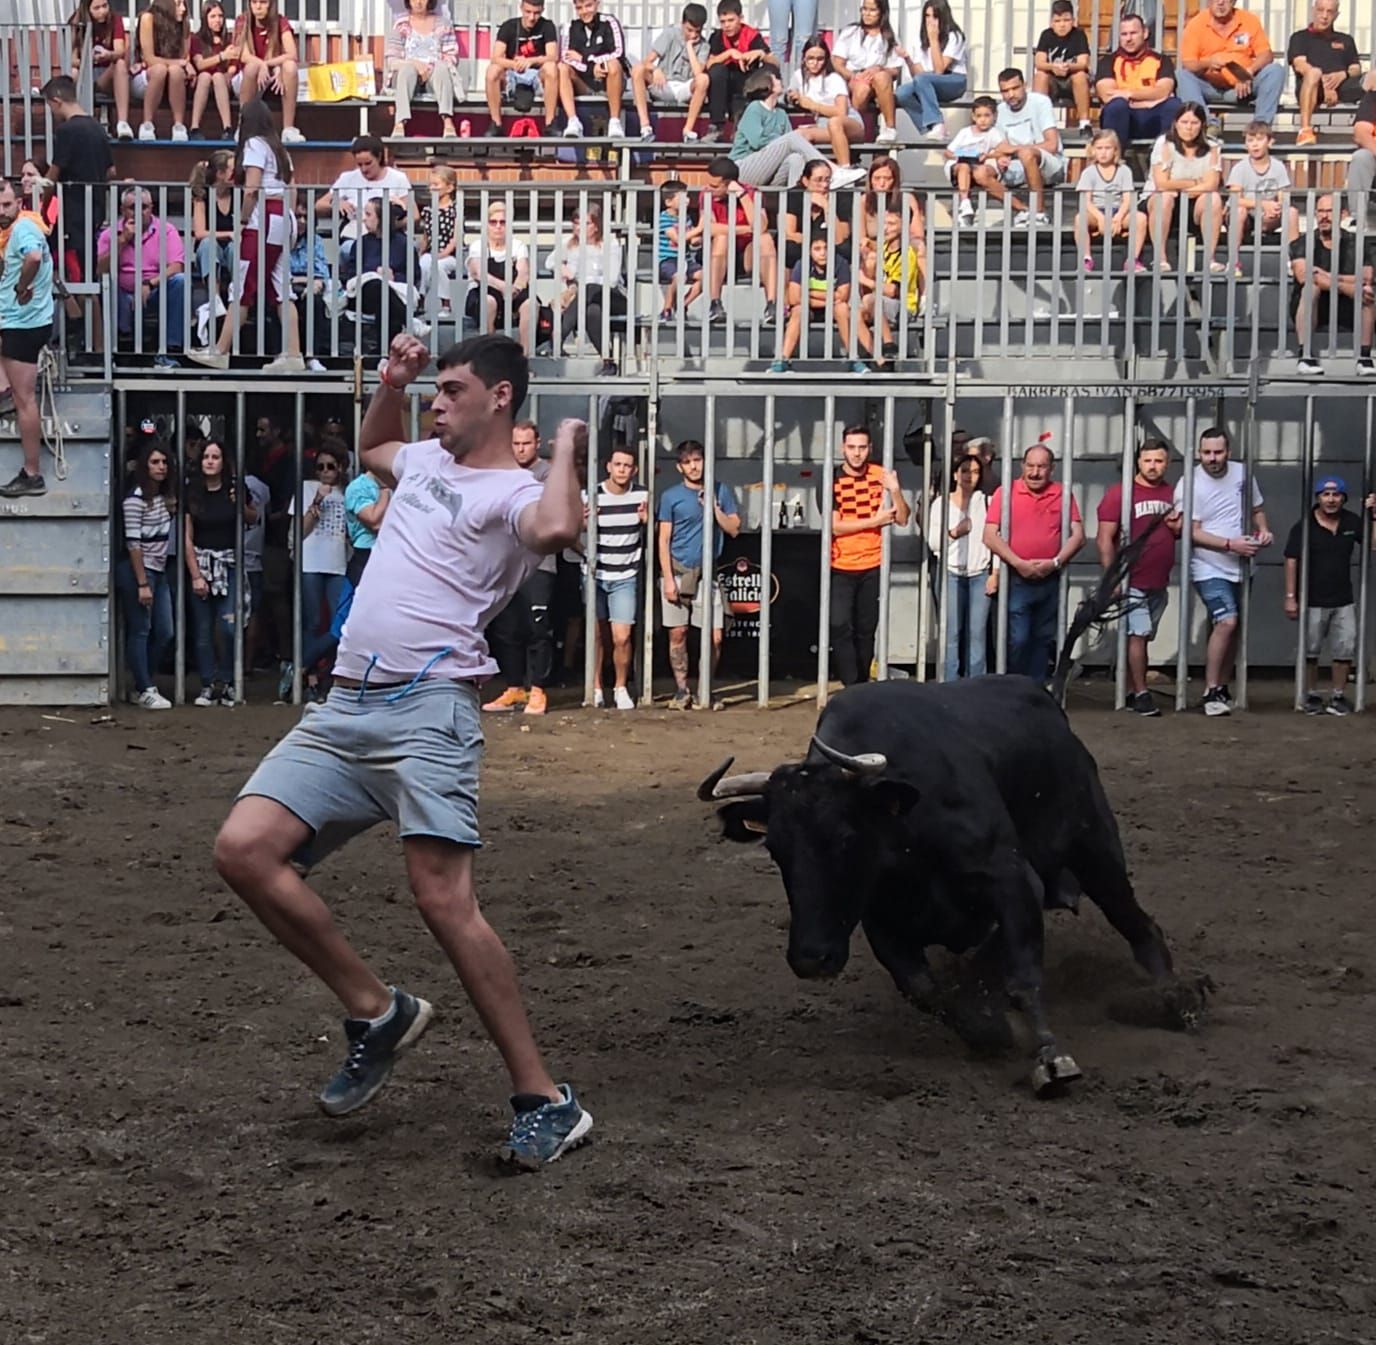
pixel 212 503
pixel 830 212
pixel 377 268
pixel 212 215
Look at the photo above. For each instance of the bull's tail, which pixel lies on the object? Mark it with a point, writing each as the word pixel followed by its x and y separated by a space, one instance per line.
pixel 1105 603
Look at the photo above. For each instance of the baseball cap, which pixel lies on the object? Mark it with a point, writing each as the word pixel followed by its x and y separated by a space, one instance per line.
pixel 1330 483
pixel 148 425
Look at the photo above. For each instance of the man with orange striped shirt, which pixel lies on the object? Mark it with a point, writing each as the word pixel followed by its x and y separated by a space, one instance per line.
pixel 866 499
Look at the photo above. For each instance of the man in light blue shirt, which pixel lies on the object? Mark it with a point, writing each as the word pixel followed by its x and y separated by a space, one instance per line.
pixel 26 325
pixel 1030 154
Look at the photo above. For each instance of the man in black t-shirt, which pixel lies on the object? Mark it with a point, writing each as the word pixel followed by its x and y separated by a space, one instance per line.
pixel 81 164
pixel 525 56
pixel 1061 57
pixel 1326 65
pixel 733 51
pixel 1318 275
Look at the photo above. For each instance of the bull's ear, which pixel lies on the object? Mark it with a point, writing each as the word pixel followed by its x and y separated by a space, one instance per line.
pixel 744 820
pixel 893 797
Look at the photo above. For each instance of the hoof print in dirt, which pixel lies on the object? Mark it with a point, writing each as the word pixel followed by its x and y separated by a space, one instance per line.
pixel 1174 1006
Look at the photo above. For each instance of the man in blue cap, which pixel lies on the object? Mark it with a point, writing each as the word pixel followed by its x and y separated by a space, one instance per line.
pixel 1334 534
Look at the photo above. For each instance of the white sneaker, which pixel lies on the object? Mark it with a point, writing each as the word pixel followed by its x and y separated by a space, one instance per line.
pixel 598 701
pixel 285 364
pixel 966 213
pixel 647 133
pixel 178 132
pixel 938 132
pixel 150 698
pixel 615 130
pixel 1020 221
pixel 209 357
pixel 690 137
pixel 841 178
pixel 205 698
pixel 123 131
pixel 574 129
pixel 623 700
pixel 420 328
pixel 147 131
pixel 315 366
pixel 887 134
pixel 291 136
pixel 1041 219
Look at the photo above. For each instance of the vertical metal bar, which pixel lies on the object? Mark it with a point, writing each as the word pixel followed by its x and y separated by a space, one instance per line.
pixel 937 526
pixel 924 574
pixel 1005 515
pixel 1125 517
pixel 647 643
pixel 1244 621
pixel 709 538
pixel 179 523
pixel 886 545
pixel 114 624
pixel 1364 563
pixel 1190 455
pixel 1067 496
pixel 1302 583
pixel 240 570
pixel 298 458
pixel 766 553
pixel 825 492
pixel 590 492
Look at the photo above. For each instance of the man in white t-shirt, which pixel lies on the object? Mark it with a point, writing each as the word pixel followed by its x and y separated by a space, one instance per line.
pixel 398 738
pixel 1030 153
pixel 1225 536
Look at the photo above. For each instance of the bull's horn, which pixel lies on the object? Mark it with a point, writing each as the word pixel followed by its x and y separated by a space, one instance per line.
pixel 866 763
pixel 734 786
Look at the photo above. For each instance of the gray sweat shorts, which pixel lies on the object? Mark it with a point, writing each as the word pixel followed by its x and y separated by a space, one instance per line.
pixel 358 760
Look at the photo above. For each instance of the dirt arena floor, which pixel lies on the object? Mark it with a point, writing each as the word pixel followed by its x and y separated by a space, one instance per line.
pixel 774 1163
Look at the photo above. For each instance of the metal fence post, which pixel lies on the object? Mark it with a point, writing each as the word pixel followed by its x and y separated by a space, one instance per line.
pixel 1302 584
pixel 924 571
pixel 1005 515
pixel 1364 563
pixel 179 538
pixel 1125 517
pixel 241 603
pixel 1182 654
pixel 708 579
pixel 298 509
pixel 591 671
pixel 1244 616
pixel 824 557
pixel 766 552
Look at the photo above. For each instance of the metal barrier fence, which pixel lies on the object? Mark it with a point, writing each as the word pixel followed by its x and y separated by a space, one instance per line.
pixel 527 260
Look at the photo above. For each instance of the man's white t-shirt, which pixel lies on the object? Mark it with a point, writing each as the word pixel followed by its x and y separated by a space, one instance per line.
pixel 1218 509
pixel 258 154
pixel 1030 122
pixel 325 549
pixel 447 559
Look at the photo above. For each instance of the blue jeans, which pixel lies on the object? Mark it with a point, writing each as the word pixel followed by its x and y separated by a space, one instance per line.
pixel 804 16
pixel 318 591
pixel 224 255
pixel 1032 607
pixel 1138 123
pixel 923 95
pixel 175 288
pixel 1267 86
pixel 147 630
pixel 967 619
pixel 212 619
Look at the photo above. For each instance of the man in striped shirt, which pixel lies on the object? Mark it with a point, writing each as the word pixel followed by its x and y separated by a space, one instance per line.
pixel 622 512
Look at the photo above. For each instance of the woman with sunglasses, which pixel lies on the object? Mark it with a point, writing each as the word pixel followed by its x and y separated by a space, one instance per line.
pixel 324 559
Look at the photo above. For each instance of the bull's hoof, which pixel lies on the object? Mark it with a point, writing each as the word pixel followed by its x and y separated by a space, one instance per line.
pixel 1174 1005
pixel 1053 1074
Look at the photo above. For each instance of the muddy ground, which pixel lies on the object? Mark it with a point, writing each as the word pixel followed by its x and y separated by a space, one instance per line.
pixel 775 1162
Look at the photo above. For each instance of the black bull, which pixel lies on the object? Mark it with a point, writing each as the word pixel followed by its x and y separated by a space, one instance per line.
pixel 942 815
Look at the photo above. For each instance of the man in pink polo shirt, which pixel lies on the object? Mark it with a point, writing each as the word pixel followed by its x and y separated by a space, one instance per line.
pixel 1033 552
pixel 148 258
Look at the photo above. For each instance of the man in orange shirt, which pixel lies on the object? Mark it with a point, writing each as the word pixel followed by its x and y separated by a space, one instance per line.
pixel 1034 550
pixel 859 516
pixel 1225 57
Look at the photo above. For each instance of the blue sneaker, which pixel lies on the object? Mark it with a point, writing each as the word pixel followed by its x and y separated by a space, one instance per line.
pixel 547 1132
pixel 372 1053
pixel 284 683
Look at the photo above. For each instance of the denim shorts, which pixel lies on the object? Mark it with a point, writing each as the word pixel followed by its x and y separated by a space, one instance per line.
pixel 1220 597
pixel 362 758
pixel 616 601
pixel 1144 615
pixel 1337 626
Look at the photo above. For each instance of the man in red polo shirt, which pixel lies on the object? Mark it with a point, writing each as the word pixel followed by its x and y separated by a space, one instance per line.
pixel 1033 553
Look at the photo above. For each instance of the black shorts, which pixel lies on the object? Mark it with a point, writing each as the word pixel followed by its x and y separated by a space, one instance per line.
pixel 1061 92
pixel 23 345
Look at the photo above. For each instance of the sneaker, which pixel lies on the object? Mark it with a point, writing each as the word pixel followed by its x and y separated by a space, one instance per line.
pixel 284 682
pixel 716 313
pixel 682 699
pixel 1216 702
pixel 1313 704
pixel 179 133
pixel 1366 365
pixel 208 356
pixel 150 698
pixel 508 700
pixel 147 131
pixel 598 700
pixel 1308 136
pixel 544 1133
pixel 781 366
pixel 715 134
pixel 666 315
pixel 966 213
pixel 313 366
pixel 6 401
pixel 1021 219
pixel 938 132
pixel 537 702
pixel 615 130
pixel 373 1050
pixel 841 178
pixel 23 484
pixel 1144 704
pixel 420 328
pixel 1042 220
pixel 292 136
pixel 195 133
pixel 647 133
pixel 123 131
pixel 286 364
pixel 1310 368
pixel 494 131
pixel 209 696
pixel 859 367
pixel 226 696
pixel 1085 128
pixel 690 137
pixel 622 699
pixel 886 134
pixel 165 364
pixel 1338 704
pixel 574 129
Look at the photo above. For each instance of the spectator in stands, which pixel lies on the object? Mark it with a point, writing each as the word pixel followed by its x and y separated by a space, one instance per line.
pixel 1327 69
pixel 422 52
pixel 266 45
pixel 257 498
pixel 767 150
pixel 938 69
pixel 164 47
pixel 212 507
pixel 1219 551
pixel 212 53
pixel 1030 153
pixel 1107 205
pixel 678 248
pixel 324 560
pixel 1361 168
pixel 369 179
pixel 1334 534
pixel 1257 186
pixel 674 71
pixel 1136 86
pixel 310 276
pixel 870 58
pixel 1033 552
pixel 593 61
pixel 109 56
pixel 439 236
pixel 818 89
pixel 1060 62
pixel 81 166
pixel 972 146
pixel 825 279
pixel 1185 163
pixel 505 263
pixel 265 169
pixel 1152 513
pixel 687 591
pixel 212 216
pixel 38 199
pixel 140 574
pixel 891 281
pixel 1317 278
pixel 148 258
pixel 26 326
pixel 1225 57
pixel 366 501
pixel 524 60
pixel 960 517
pixel 592 280
pixel 813 204
pixel 622 512
pixel 737 219
pixel 865 499
pixel 733 52
pixel 884 188
pixel 378 277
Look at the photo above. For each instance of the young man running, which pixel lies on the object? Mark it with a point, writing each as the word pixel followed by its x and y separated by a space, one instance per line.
pixel 399 738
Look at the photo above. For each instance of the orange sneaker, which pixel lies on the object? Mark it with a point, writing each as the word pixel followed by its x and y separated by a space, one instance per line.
pixel 508 700
pixel 538 702
pixel 1308 136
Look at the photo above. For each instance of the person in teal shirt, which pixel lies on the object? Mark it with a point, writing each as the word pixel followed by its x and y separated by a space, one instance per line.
pixel 768 151
pixel 26 326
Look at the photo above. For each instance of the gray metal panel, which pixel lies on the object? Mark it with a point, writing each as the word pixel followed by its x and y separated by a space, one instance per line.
pixel 41 636
pixel 34 691
pixel 55 556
